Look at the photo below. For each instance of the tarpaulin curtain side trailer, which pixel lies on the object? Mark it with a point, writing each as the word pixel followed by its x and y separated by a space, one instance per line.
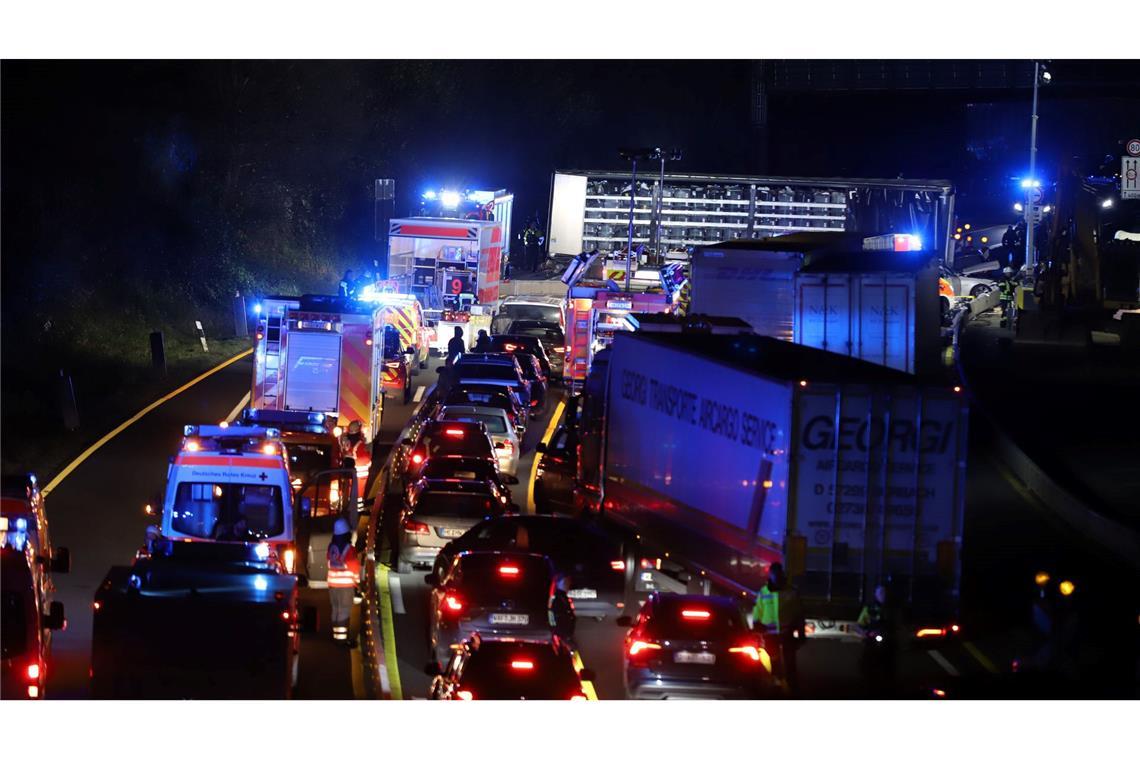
pixel 732 452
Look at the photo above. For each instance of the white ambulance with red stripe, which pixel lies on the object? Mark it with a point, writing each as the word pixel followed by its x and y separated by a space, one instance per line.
pixel 317 353
pixel 231 483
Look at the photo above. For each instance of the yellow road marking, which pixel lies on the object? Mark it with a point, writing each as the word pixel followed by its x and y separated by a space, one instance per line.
pixel 538 457
pixel 147 409
pixel 241 405
pixel 388 632
pixel 587 686
pixel 981 658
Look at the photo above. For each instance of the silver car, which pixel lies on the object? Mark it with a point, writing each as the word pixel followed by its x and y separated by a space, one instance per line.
pixel 436 511
pixel 503 435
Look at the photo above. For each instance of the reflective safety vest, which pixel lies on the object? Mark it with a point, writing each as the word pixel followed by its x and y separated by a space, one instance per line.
pixel 776 611
pixel 344 567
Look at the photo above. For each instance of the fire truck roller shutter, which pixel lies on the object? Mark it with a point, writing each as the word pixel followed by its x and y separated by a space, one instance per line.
pixel 356 377
pixel 314 364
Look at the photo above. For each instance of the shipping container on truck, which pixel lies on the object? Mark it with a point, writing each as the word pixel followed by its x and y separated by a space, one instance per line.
pixel 589 210
pixel 731 452
pixel 316 353
pixel 878 306
pixel 435 258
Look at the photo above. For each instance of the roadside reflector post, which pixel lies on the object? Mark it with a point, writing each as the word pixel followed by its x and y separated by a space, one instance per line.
pixel 158 353
pixel 202 335
pixel 241 317
pixel 68 409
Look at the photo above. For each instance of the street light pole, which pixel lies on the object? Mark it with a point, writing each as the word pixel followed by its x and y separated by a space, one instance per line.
pixel 629 247
pixel 1030 254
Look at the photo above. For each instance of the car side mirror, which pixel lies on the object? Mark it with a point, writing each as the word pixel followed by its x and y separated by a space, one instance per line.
pixel 540 447
pixel 586 674
pixel 510 480
pixel 433 669
pixel 431 579
pixel 61 560
pixel 624 621
pixel 55 620
pixel 306 506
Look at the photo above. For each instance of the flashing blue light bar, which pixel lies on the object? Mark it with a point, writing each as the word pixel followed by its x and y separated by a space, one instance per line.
pixel 429 195
pixel 480 196
pixel 1028 183
pixel 449 199
pixel 257 308
pixel 261 551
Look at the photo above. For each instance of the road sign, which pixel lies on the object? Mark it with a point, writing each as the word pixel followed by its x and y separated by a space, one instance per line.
pixel 1036 194
pixel 1132 147
pixel 1129 178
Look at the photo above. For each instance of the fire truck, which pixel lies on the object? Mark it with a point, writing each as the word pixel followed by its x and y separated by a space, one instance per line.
pixel 594 315
pixel 317 353
pixel 404 342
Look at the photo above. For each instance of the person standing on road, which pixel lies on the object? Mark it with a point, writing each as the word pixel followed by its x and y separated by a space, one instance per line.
pixel 344 571
pixel 456 347
pixel 779 615
pixel 482 343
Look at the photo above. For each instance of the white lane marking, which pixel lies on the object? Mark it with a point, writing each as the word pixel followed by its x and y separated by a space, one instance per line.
pixel 241 405
pixel 943 662
pixel 397 594
pixel 419 394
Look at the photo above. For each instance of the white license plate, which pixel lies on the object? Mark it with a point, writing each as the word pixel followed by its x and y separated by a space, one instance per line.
pixel 450 532
pixel 582 593
pixel 502 618
pixel 695 658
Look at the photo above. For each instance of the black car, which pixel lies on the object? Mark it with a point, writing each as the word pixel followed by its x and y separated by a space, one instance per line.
pixel 447 438
pixel 506 669
pixel 468 469
pixel 497 396
pixel 588 561
pixel 492 369
pixel 551 336
pixel 495 594
pixel 524 344
pixel 554 476
pixel 694 646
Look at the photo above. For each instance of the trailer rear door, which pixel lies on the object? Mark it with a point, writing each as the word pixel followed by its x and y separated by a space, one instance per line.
pixel 313 381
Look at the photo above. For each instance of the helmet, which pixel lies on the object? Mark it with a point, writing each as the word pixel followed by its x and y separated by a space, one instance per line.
pixel 341 527
pixel 1008 271
pixel 354 427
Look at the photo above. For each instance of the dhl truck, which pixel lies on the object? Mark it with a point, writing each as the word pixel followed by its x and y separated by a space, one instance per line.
pixel 316 353
pixel 726 453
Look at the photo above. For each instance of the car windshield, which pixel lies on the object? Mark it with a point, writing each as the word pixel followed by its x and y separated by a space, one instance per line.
pixel 475 371
pixel 683 618
pixel 15 625
pixel 495 423
pixel 444 504
pixel 495 672
pixel 308 458
pixel 537 312
pixel 216 510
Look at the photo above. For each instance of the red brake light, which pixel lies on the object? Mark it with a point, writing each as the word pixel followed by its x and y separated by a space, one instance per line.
pixel 34 671
pixel 417 458
pixel 748 650
pixel 618 564
pixel 534 402
pixel 510 571
pixel 454 432
pixel 417 527
pixel 522 665
pixel 954 628
pixel 696 614
pixel 453 603
pixel 924 633
pixel 466 696
pixel 578 697
pixel 637 646
pixel 510 347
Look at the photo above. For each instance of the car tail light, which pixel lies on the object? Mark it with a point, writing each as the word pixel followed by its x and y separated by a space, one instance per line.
pixel 453 432
pixel 33 691
pixel 578 697
pixel 417 458
pixel 510 347
pixel 509 571
pixel 618 564
pixel 926 633
pixel 33 671
pixel 417 527
pixel 289 559
pixel 750 651
pixel 696 614
pixel 637 646
pixel 465 695
pixel 453 603
pixel 534 402
pixel 522 665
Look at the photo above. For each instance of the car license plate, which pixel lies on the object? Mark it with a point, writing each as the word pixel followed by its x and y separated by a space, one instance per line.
pixel 695 658
pixel 502 618
pixel 582 593
pixel 450 532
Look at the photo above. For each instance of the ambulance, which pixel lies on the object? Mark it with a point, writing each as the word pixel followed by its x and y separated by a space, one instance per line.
pixel 316 353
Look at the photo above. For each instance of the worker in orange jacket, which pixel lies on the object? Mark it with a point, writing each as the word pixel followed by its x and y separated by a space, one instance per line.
pixel 344 571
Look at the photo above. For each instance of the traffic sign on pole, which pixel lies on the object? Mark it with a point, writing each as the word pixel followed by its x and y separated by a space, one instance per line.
pixel 1036 194
pixel 1129 178
pixel 1132 147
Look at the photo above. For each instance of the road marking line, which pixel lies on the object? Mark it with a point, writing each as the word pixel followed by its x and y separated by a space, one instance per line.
pixel 587 686
pixel 538 457
pixel 51 486
pixel 241 405
pixel 976 653
pixel 388 633
pixel 419 394
pixel 397 595
pixel 943 662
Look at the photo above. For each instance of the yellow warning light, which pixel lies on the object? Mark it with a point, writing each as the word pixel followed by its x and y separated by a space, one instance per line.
pixel 1066 588
pixel 1041 578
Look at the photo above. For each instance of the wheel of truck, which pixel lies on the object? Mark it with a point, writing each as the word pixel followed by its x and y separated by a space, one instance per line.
pixel 980 290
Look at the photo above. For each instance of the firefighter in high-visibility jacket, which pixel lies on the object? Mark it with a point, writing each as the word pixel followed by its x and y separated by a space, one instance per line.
pixel 344 570
pixel 779 615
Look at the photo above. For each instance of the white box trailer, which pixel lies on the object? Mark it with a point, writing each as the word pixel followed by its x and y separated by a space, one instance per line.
pixel 731 452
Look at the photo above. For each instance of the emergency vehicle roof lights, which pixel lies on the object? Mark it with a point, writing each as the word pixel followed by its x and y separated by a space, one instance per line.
pixel 261 551
pixel 257 308
pixel 449 199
